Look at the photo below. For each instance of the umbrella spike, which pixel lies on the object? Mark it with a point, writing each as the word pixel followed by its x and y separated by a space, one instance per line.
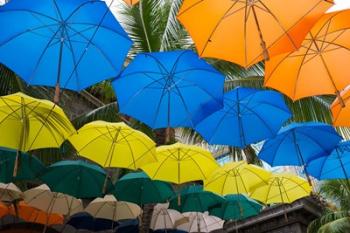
pixel 56 98
pixel 15 168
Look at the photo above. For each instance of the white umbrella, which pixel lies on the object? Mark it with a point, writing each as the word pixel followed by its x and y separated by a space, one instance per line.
pixel 164 218
pixel 42 198
pixel 110 208
pixel 10 192
pixel 199 222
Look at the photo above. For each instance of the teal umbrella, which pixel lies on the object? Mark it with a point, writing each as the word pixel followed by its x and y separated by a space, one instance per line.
pixel 194 199
pixel 30 167
pixel 77 178
pixel 138 188
pixel 236 207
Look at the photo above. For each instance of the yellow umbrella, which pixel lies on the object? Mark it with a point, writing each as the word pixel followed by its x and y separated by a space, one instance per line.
pixel 114 145
pixel 110 208
pixel 236 178
pixel 282 188
pixel 30 123
pixel 179 163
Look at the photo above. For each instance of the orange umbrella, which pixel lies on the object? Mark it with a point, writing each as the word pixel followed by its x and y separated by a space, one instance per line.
pixel 248 31
pixel 3 210
pixel 31 214
pixel 131 2
pixel 341 109
pixel 320 66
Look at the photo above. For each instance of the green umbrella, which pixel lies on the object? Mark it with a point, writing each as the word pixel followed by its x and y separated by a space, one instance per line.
pixel 236 207
pixel 193 199
pixel 138 188
pixel 30 167
pixel 77 178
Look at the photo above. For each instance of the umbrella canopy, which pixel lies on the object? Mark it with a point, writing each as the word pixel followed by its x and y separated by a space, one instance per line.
pixel 65 38
pixel 131 2
pixel 237 207
pixel 85 221
pixel 78 178
pixel 282 188
pixel 166 89
pixel 31 123
pixel 30 166
pixel 140 189
pixel 336 165
pixel 186 163
pixel 298 143
pixel 235 178
pixel 109 208
pixel 245 32
pixel 43 199
pixel 340 109
pixel 164 218
pixel 201 222
pixel 248 116
pixel 31 214
pixel 114 145
pixel 317 61
pixel 10 192
pixel 194 198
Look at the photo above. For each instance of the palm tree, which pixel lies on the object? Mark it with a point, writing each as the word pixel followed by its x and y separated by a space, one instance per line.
pixel 334 220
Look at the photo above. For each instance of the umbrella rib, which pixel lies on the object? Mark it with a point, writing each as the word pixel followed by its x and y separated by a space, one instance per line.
pixel 267 198
pixel 30 11
pixel 160 166
pixel 190 7
pixel 197 69
pixel 158 62
pixel 272 145
pixel 312 139
pixel 217 25
pixel 32 30
pixel 131 150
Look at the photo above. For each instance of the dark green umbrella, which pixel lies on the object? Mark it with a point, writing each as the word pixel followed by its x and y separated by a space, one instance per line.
pixel 30 167
pixel 236 207
pixel 194 199
pixel 140 189
pixel 77 178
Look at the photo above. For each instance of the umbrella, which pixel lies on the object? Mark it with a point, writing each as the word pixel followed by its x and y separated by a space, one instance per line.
pixel 10 192
pixel 77 178
pixel 140 189
pixel 248 116
pixel 245 32
pixel 336 165
pixel 281 188
pixel 65 38
pixel 110 208
pixel 236 207
pixel 31 214
pixel 201 222
pixel 164 219
pixel 194 198
pixel 43 199
pixel 131 2
pixel 166 89
pixel 30 166
pixel 316 62
pixel 128 226
pixel 235 178
pixel 186 163
pixel 298 143
pixel 114 145
pixel 31 124
pixel 85 221
pixel 340 109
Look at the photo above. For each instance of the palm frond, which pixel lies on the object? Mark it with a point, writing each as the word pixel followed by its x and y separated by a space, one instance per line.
pixel 330 223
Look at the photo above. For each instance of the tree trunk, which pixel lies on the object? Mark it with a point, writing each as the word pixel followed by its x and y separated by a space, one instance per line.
pixel 144 225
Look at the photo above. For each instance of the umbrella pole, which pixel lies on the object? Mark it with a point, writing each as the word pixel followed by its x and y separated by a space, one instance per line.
pixel 21 140
pixel 302 161
pixel 56 98
pixel 262 41
pixel 236 224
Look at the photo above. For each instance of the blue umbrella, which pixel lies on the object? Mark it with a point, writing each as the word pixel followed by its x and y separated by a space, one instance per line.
pixel 169 89
pixel 299 143
pixel 84 221
pixel 248 116
pixel 336 165
pixel 62 43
